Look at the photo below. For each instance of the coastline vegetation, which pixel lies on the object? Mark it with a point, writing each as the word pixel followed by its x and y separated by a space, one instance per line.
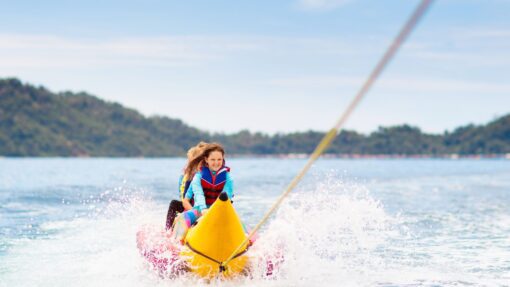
pixel 37 122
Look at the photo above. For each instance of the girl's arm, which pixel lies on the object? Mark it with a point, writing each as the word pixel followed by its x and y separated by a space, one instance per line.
pixel 198 192
pixel 229 186
pixel 186 200
pixel 180 188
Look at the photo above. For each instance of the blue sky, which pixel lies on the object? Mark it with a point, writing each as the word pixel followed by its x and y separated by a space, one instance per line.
pixel 270 66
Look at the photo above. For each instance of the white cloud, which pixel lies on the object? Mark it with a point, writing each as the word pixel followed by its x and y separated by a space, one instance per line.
pixel 408 85
pixel 395 84
pixel 474 47
pixel 314 82
pixel 34 51
pixel 47 51
pixel 321 4
pixel 484 33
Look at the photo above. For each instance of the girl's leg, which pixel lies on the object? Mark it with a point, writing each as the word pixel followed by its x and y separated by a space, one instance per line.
pixel 183 222
pixel 174 208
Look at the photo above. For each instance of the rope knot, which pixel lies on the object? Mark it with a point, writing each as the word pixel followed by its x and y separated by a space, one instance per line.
pixel 223 268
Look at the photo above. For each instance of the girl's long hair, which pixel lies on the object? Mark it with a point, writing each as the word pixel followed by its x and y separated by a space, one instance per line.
pixel 199 160
pixel 194 151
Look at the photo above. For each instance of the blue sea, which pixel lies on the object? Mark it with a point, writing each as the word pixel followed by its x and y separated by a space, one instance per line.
pixel 366 222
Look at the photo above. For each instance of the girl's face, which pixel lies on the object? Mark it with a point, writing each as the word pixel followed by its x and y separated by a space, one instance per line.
pixel 214 160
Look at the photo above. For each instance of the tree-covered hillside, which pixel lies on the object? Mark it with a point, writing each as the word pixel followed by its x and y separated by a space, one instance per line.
pixel 37 122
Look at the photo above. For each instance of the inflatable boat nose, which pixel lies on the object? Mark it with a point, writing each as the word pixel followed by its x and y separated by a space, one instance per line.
pixel 213 239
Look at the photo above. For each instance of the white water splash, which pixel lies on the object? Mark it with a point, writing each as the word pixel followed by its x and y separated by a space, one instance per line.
pixel 327 233
pixel 330 233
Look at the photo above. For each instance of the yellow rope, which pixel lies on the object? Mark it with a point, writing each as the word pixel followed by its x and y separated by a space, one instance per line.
pixel 330 136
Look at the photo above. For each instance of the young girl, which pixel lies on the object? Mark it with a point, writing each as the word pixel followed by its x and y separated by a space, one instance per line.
pixel 177 206
pixel 213 178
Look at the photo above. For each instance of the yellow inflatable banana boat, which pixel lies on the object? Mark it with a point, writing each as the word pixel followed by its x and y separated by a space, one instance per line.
pixel 202 248
pixel 210 242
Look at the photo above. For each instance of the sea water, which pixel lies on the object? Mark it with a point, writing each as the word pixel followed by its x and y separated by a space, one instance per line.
pixel 405 222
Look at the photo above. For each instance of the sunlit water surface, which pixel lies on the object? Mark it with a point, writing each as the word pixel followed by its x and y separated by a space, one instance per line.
pixel 72 222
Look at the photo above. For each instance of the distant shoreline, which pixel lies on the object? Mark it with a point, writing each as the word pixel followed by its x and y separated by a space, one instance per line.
pixel 298 156
pixel 377 156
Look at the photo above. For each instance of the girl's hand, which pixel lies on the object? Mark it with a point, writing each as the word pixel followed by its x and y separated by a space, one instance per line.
pixel 186 204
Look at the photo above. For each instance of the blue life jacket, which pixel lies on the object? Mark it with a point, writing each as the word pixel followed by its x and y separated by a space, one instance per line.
pixel 213 184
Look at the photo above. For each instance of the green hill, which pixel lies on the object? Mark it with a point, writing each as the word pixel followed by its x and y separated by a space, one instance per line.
pixel 37 122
